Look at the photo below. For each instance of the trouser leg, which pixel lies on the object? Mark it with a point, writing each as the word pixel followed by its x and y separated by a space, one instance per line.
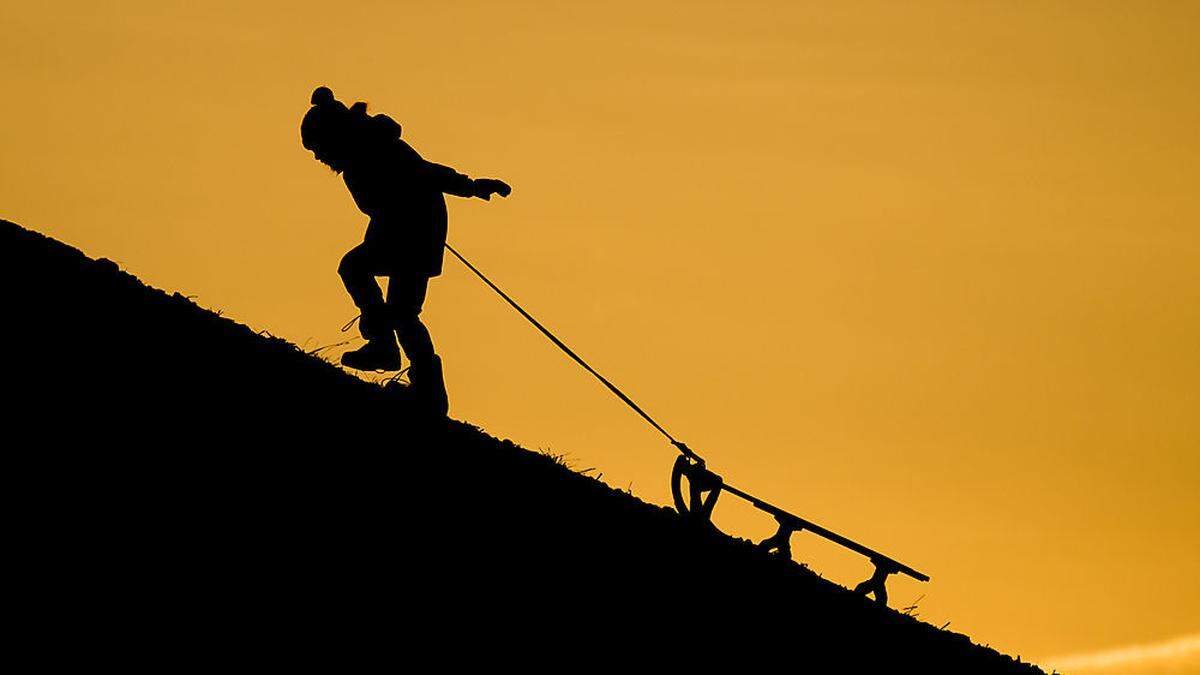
pixel 416 342
pixel 358 274
pixel 405 298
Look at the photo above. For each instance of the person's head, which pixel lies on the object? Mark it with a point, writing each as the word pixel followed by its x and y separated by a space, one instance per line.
pixel 326 129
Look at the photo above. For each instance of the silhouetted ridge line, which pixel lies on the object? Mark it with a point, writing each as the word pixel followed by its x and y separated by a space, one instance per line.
pixel 184 489
pixel 705 486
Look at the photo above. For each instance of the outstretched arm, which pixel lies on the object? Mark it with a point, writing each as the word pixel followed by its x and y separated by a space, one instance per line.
pixel 454 183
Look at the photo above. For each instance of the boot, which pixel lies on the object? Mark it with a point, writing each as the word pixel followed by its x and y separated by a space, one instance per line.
pixel 374 324
pixel 378 354
pixel 428 388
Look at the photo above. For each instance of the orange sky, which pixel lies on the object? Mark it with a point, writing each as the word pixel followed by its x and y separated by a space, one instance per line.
pixel 927 273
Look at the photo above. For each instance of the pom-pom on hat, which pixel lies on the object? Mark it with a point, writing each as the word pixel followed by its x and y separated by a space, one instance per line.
pixel 323 96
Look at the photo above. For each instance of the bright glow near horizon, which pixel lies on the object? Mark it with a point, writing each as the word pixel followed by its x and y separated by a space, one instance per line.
pixel 1180 655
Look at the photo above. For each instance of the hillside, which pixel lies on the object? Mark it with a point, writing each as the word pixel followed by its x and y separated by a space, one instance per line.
pixel 187 489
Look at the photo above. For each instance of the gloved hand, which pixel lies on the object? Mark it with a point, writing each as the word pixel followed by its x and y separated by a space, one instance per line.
pixel 486 187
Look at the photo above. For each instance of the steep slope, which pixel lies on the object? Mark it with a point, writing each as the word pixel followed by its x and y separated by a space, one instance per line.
pixel 190 490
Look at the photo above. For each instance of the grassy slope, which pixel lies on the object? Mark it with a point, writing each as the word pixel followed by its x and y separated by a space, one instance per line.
pixel 193 489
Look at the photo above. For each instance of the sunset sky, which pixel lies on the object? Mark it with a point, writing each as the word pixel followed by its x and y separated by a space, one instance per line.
pixel 926 273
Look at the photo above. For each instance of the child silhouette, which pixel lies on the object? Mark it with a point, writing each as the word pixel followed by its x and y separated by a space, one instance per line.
pixel 402 194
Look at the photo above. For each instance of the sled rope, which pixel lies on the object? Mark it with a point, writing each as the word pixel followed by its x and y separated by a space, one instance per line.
pixel 704 486
pixel 683 448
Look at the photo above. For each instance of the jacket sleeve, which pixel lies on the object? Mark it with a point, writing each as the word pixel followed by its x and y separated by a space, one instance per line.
pixel 448 180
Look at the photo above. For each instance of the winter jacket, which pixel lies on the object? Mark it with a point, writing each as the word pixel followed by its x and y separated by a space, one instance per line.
pixel 402 193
